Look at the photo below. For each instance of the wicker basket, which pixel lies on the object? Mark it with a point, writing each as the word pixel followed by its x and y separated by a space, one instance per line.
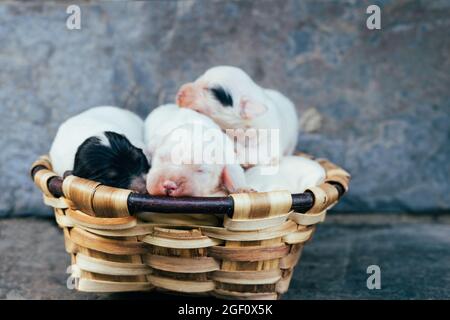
pixel 244 246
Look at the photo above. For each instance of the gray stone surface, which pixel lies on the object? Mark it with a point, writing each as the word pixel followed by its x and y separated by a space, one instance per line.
pixel 375 102
pixel 413 254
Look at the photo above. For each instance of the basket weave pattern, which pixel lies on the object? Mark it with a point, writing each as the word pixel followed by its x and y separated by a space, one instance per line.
pixel 250 255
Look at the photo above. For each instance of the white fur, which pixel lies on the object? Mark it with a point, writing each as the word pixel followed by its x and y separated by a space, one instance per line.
pixel 163 129
pixel 287 120
pixel 295 174
pixel 165 118
pixel 279 111
pixel 93 122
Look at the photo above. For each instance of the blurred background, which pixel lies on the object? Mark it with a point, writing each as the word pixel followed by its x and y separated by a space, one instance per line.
pixel 376 102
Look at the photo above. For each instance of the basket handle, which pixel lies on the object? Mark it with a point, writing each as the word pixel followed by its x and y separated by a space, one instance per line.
pixel 99 200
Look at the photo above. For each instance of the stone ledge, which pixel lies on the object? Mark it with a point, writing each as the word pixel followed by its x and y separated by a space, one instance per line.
pixel 414 257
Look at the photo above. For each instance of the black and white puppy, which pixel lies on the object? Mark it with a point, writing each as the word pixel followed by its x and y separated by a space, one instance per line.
pixel 103 144
pixel 234 101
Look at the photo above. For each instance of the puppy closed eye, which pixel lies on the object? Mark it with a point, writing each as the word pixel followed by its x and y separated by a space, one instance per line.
pixel 222 96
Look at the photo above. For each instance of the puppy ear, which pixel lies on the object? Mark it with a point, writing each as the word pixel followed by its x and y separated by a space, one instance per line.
pixel 233 178
pixel 249 109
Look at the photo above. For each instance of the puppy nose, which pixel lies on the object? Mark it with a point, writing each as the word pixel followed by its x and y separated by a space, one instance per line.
pixel 185 96
pixel 169 186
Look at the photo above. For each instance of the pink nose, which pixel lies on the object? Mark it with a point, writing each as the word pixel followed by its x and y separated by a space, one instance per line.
pixel 169 186
pixel 186 96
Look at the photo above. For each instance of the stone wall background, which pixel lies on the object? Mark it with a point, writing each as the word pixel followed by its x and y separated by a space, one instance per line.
pixel 375 102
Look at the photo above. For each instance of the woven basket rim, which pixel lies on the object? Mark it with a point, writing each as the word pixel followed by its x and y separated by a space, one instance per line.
pixel 53 185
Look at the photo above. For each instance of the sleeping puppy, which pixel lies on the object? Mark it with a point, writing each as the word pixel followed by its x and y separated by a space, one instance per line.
pixel 231 98
pixel 164 119
pixel 103 144
pixel 191 156
pixel 295 174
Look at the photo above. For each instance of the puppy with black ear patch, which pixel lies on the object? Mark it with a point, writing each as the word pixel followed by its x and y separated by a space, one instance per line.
pixel 234 101
pixel 103 144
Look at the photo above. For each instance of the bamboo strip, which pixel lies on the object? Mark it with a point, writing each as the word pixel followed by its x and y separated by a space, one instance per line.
pixel 60 203
pixel 307 219
pixel 101 266
pixel 92 285
pixel 289 261
pixel 80 191
pixel 181 285
pixel 254 253
pixel 224 294
pixel 181 244
pixel 182 265
pixel 254 224
pixel 41 179
pixel 112 246
pixel 302 235
pixel 247 277
pixel 282 286
pixel 180 219
pixel 320 200
pixel 254 235
pixel 81 219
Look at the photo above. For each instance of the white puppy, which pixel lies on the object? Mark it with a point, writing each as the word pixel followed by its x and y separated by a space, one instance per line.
pixel 102 144
pixel 191 156
pixel 164 119
pixel 295 174
pixel 233 100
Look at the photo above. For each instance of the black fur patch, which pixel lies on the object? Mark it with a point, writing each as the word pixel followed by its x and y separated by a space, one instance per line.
pixel 223 96
pixel 115 165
